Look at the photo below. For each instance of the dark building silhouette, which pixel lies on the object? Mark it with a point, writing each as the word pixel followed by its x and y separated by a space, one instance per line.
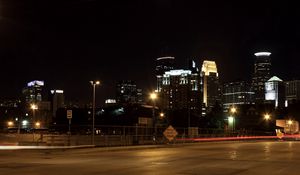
pixel 236 94
pixel 127 92
pixel 292 91
pixel 57 100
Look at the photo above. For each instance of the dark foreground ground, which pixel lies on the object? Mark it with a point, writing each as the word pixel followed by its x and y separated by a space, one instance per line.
pixel 213 158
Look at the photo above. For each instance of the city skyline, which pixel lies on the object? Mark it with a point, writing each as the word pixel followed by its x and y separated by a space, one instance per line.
pixel 69 43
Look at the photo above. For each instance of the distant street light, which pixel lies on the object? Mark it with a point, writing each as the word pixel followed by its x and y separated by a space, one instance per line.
pixel 37 125
pixel 34 107
pixel 267 117
pixel 161 115
pixel 10 123
pixel 290 123
pixel 94 83
pixel 231 118
pixel 233 110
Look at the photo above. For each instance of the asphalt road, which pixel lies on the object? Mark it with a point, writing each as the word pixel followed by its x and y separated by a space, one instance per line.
pixel 214 158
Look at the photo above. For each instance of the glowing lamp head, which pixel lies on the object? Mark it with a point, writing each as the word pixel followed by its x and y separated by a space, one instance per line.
pixel 37 124
pixel 267 116
pixel 290 122
pixel 161 115
pixel 34 106
pixel 10 123
pixel 153 96
pixel 233 110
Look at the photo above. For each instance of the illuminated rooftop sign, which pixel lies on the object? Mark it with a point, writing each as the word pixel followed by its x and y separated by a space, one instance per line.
pixel 258 54
pixel 35 83
pixel 164 58
pixel 57 91
pixel 274 78
pixel 178 72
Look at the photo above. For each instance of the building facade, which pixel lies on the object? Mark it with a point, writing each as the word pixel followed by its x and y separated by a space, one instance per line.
pixel 163 64
pixel 127 92
pixel 292 91
pixel 211 88
pixel 181 90
pixel 262 73
pixel 57 100
pixel 275 92
pixel 237 93
pixel 33 91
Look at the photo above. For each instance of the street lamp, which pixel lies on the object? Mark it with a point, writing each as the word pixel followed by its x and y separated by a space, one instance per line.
pixel 267 117
pixel 161 115
pixel 94 83
pixel 34 107
pixel 290 122
pixel 153 97
pixel 231 118
pixel 37 125
pixel 233 110
pixel 10 124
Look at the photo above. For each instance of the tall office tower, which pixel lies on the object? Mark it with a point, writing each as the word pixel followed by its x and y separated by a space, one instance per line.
pixel 163 64
pixel 33 91
pixel 211 88
pixel 275 92
pixel 57 100
pixel 126 92
pixel 237 93
pixel 292 91
pixel 262 73
pixel 181 90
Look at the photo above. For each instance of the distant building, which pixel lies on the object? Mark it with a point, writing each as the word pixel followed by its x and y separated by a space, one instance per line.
pixel 211 88
pixel 127 92
pixel 237 93
pixel 33 91
pixel 292 91
pixel 163 64
pixel 262 73
pixel 181 90
pixel 275 92
pixel 110 102
pixel 57 100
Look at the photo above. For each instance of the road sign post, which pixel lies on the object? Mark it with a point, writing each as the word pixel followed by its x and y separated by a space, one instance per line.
pixel 170 133
pixel 69 116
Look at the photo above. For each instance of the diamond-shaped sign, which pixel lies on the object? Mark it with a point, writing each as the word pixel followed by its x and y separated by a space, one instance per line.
pixel 170 133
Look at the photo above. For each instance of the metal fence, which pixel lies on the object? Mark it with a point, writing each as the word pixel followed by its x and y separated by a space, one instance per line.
pixel 116 136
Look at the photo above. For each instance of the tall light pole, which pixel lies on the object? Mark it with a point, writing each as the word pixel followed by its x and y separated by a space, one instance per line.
pixel 153 97
pixel 94 83
pixel 33 107
pixel 231 118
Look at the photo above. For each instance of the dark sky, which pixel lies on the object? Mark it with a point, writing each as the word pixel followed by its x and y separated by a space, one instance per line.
pixel 69 42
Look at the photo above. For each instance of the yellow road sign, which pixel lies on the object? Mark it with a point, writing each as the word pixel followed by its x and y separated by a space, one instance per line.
pixel 170 133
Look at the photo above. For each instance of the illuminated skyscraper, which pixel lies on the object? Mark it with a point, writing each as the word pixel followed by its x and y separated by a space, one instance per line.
pixel 211 89
pixel 33 91
pixel 163 64
pixel 275 92
pixel 262 73
pixel 57 100
pixel 181 92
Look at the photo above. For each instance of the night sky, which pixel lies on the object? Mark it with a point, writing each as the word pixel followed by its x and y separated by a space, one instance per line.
pixel 67 43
